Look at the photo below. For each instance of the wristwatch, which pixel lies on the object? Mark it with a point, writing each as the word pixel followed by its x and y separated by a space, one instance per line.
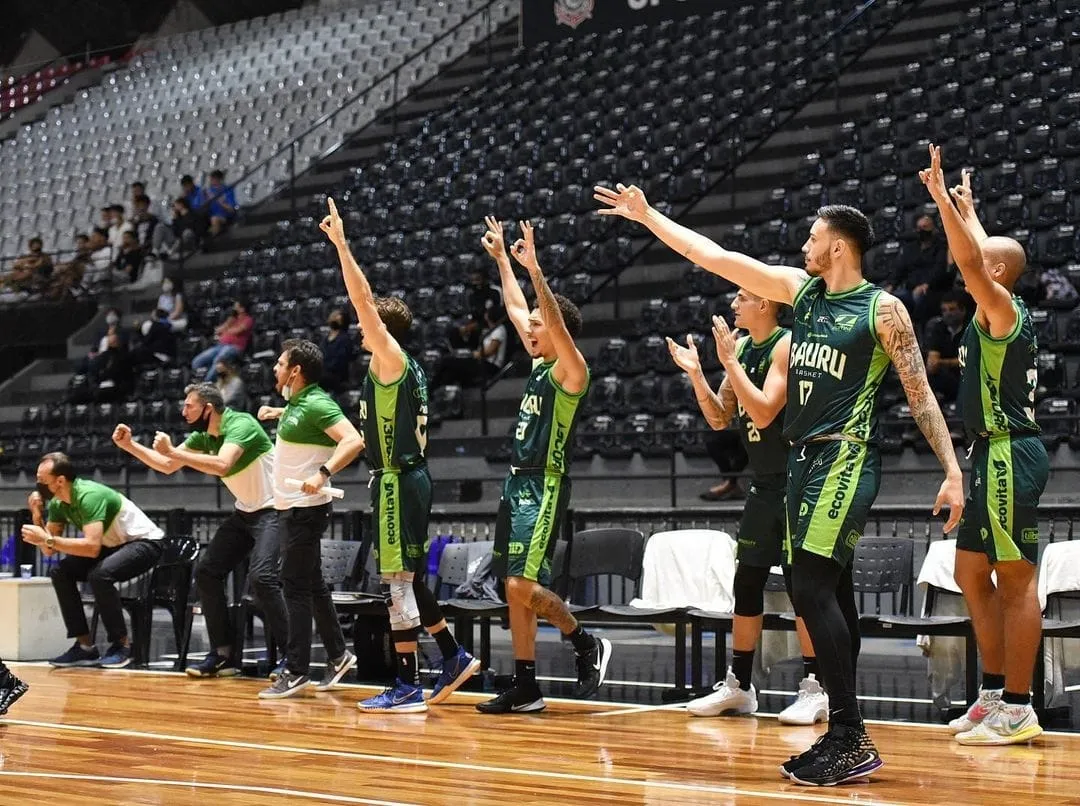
pixel 325 472
pixel 50 541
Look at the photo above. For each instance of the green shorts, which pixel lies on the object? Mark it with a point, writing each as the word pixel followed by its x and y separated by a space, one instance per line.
pixel 529 521
pixel 831 487
pixel 1001 519
pixel 762 529
pixel 401 508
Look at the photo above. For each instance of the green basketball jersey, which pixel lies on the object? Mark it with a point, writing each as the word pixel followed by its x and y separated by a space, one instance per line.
pixel 546 420
pixel 998 378
pixel 394 418
pixel 766 449
pixel 836 364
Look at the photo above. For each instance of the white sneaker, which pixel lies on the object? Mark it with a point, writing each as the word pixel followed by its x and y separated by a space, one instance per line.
pixel 989 700
pixel 811 707
pixel 1006 724
pixel 727 698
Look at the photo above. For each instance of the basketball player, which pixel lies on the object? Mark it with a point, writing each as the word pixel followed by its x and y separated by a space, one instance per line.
pixel 232 446
pixel 1009 468
pixel 754 392
pixel 11 688
pixel 537 490
pixel 314 441
pixel 845 334
pixel 394 411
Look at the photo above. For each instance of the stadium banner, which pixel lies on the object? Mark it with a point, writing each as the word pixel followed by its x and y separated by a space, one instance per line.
pixel 543 20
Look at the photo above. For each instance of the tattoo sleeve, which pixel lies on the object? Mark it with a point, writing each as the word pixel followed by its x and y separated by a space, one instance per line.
pixel 719 406
pixel 545 300
pixel 898 338
pixel 548 606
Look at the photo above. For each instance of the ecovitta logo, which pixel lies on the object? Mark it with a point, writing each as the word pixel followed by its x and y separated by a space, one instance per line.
pixel 573 12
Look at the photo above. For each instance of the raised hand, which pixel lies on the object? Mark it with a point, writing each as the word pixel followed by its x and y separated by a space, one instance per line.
pixel 163 444
pixel 685 358
pixel 628 202
pixel 122 435
pixel 933 177
pixel 493 241
pixel 333 226
pixel 961 194
pixel 524 249
pixel 36 503
pixel 725 340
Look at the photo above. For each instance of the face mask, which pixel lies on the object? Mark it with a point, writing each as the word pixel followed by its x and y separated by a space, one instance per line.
pixel 926 235
pixel 286 392
pixel 44 491
pixel 334 324
pixel 203 423
pixel 952 319
pixel 167 286
pixel 112 319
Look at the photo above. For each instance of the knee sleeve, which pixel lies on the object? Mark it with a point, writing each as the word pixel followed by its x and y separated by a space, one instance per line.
pixel 400 599
pixel 428 606
pixel 749 589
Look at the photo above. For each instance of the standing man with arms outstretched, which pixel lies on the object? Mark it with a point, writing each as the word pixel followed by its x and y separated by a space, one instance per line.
pixel 754 393
pixel 845 334
pixel 537 490
pixel 234 447
pixel 1009 468
pixel 314 441
pixel 394 412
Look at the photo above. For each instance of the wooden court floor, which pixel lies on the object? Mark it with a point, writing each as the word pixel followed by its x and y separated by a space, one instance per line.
pixel 94 737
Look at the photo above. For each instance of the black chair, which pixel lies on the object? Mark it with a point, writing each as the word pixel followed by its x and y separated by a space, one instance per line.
pixel 170 589
pixel 454 571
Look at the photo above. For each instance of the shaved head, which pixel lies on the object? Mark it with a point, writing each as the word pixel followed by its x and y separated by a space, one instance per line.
pixel 1004 258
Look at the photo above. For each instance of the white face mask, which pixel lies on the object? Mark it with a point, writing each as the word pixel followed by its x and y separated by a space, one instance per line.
pixel 167 286
pixel 112 319
pixel 286 391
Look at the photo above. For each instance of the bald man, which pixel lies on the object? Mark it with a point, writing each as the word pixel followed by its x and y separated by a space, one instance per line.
pixel 1009 467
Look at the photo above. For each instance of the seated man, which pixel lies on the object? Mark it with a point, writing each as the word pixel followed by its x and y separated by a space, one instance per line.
pixel 944 335
pixel 31 272
pixel 129 259
pixel 220 200
pixel 119 542
pixel 483 363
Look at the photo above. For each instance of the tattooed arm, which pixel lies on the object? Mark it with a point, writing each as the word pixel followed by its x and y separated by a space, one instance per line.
pixel 570 370
pixel 718 407
pixel 897 337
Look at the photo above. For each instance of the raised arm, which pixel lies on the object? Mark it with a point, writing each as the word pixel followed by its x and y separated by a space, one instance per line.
pixel 965 203
pixel 897 337
pixel 149 457
pixel 991 298
pixel 217 464
pixel 778 283
pixel 762 405
pixel 717 407
pixel 387 360
pixel 570 370
pixel 517 309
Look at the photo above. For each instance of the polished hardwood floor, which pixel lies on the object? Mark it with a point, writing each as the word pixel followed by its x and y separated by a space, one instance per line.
pixel 95 737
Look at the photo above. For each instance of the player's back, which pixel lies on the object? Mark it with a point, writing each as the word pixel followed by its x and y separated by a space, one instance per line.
pixel 394 418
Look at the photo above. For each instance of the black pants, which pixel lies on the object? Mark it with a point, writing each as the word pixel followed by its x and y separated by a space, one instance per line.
pixel 726 449
pixel 257 533
pixel 112 565
pixel 306 594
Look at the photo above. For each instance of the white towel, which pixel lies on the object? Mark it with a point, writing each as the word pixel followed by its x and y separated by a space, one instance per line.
pixel 688 568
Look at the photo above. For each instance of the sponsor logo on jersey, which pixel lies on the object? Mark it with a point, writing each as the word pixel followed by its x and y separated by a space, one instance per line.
pixel 821 357
pixel 1029 536
pixel 846 322
pixel 390 506
pixel 1001 491
pixel 845 481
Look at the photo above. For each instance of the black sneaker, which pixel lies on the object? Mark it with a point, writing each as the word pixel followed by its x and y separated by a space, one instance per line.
pixel 806 756
pixel 848 756
pixel 11 688
pixel 516 700
pixel 592 668
pixel 213 665
pixel 77 656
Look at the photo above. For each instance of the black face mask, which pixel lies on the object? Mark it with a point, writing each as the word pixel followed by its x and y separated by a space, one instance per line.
pixel 203 423
pixel 44 491
pixel 925 235
pixel 334 324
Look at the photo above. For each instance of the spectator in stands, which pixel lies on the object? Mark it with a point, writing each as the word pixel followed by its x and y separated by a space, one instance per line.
pixel 483 296
pixel 483 363
pixel 159 341
pixel 32 271
pixel 99 274
pixel 923 271
pixel 233 336
pixel 118 225
pixel 129 262
pixel 944 335
pixel 113 326
pixel 69 276
pixel 191 193
pixel 113 370
pixel 220 201
pixel 185 231
pixel 171 300
pixel 146 225
pixel 339 351
pixel 230 384
pixel 138 188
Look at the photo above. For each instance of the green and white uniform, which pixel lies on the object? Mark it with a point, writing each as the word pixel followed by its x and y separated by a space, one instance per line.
pixel 91 502
pixel 834 374
pixel 303 446
pixel 251 478
pixel 537 490
pixel 1009 465
pixel 394 423
pixel 762 528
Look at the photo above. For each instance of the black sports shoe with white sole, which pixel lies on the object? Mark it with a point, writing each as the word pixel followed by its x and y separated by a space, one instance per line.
pixel 592 668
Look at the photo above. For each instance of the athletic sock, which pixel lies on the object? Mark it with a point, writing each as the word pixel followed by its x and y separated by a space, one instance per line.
pixel 1011 698
pixel 809 667
pixel 408 671
pixel 742 666
pixel 448 645
pixel 525 673
pixel 992 682
pixel 581 640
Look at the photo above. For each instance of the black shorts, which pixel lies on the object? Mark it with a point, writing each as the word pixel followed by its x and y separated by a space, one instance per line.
pixel 762 528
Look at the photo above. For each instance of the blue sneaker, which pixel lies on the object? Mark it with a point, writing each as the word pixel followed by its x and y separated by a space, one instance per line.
pixel 117 657
pixel 278 670
pixel 455 671
pixel 401 699
pixel 77 656
pixel 213 665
